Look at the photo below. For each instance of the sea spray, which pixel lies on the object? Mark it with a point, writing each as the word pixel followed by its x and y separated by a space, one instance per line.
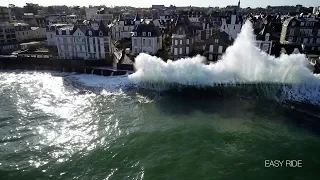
pixel 242 63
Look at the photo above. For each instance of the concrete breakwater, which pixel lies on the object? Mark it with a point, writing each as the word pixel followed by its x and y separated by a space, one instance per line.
pixel 97 67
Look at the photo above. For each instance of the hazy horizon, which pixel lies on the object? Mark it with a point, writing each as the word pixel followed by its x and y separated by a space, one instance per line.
pixel 144 3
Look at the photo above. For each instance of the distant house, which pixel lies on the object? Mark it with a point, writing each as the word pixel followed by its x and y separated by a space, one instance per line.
pixel 91 41
pixel 184 34
pixel 34 20
pixel 146 38
pixel 61 18
pixel 5 14
pixel 51 33
pixel 302 30
pixel 26 32
pixel 122 27
pixel 216 45
pixel 264 40
pixel 99 15
pixel 232 25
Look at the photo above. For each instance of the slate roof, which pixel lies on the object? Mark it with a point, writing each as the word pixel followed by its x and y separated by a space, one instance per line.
pixel 184 21
pixel 101 31
pixel 137 17
pixel 144 27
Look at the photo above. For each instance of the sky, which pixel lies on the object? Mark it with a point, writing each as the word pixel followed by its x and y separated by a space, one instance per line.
pixel 148 3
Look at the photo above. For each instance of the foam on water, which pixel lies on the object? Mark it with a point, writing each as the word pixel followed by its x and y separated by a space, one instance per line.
pixel 242 62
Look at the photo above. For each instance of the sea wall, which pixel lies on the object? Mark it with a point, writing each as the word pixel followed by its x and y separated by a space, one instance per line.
pixel 59 65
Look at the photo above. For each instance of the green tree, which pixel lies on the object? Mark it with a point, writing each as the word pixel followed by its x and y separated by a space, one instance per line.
pixel 31 8
pixel 50 10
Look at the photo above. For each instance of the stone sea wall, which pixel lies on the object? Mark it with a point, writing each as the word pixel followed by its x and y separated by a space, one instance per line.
pixel 96 67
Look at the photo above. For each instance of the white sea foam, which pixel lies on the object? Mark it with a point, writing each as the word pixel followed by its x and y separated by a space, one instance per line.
pixel 107 85
pixel 242 62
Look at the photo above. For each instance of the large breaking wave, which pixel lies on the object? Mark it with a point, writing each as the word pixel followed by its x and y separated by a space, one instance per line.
pixel 243 63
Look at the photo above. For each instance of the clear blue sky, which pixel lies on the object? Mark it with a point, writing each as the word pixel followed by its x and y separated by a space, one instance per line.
pixel 148 3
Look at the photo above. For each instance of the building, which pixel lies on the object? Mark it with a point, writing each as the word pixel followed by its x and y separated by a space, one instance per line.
pixel 5 14
pixel 146 38
pixel 122 27
pixel 34 20
pixel 232 26
pixel 8 40
pixel 184 35
pixel 61 18
pixel 264 43
pixel 87 41
pixel 216 45
pixel 99 15
pixel 158 7
pixel 302 30
pixel 51 33
pixel 25 32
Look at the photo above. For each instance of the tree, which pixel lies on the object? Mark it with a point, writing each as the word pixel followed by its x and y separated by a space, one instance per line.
pixel 31 8
pixel 50 10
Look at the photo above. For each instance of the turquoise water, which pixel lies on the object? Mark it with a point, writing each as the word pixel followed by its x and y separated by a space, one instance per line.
pixel 52 130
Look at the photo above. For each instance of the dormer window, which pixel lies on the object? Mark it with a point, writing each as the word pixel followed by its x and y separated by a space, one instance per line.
pixel 143 33
pixel 100 33
pixel 90 33
pixel 149 33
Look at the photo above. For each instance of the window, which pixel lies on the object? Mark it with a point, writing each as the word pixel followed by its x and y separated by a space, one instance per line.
pixel 149 42
pixel 187 41
pixel 181 41
pixel 290 39
pixel 211 48
pixel 305 40
pixel 210 57
pixel 234 27
pixel 298 40
pixel 149 33
pixel 220 49
pixel 175 51
pixel 302 24
pixel 265 47
pixel 180 52
pixel 143 33
pixel 144 41
pixel 187 50
pixel 176 42
pixel 135 42
pixel 311 40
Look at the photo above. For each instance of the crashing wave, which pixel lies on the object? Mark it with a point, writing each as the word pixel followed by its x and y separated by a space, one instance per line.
pixel 243 63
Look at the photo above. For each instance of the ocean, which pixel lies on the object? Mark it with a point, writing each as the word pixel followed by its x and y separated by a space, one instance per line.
pixel 72 126
pixel 183 119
